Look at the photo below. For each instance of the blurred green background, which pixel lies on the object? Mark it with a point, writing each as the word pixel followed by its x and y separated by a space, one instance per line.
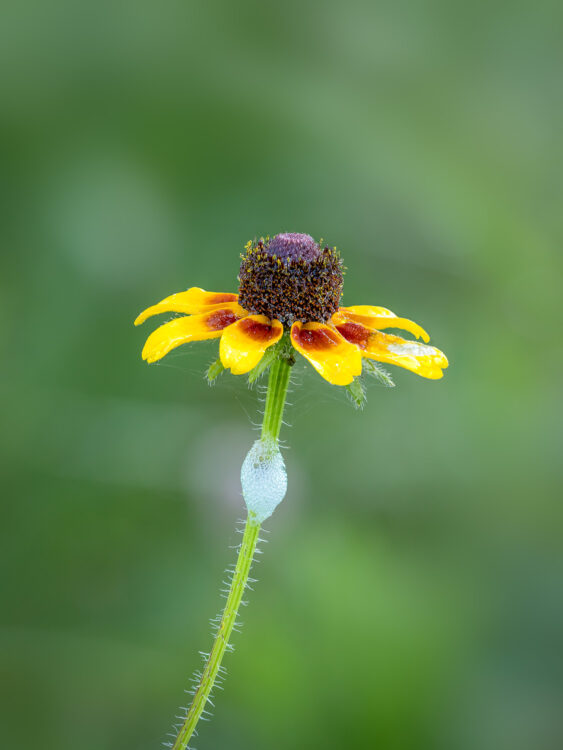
pixel 410 594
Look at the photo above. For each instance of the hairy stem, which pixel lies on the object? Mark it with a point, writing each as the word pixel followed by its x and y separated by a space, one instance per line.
pixel 275 399
pixel 238 584
pixel 273 413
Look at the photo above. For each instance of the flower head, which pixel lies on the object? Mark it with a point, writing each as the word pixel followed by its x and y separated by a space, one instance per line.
pixel 289 278
pixel 290 283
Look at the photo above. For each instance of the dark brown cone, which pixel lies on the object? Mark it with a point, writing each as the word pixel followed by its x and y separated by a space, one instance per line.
pixel 291 278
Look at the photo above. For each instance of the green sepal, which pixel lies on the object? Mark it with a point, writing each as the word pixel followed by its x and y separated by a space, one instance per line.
pixel 268 358
pixel 376 371
pixel 357 393
pixel 213 371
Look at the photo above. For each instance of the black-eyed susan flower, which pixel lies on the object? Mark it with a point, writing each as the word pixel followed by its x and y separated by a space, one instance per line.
pixel 288 300
pixel 291 283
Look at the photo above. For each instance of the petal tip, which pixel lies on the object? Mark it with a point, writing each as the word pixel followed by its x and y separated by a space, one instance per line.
pixel 150 355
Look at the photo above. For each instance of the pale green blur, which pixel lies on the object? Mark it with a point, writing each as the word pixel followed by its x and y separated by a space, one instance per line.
pixel 409 597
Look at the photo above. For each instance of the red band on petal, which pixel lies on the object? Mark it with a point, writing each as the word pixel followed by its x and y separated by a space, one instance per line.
pixel 355 334
pixel 219 299
pixel 317 339
pixel 220 319
pixel 257 331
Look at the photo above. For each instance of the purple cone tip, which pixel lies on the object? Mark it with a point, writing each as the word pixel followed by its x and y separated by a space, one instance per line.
pixel 293 246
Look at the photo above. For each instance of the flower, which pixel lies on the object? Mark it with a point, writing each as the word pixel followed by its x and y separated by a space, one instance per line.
pixel 290 283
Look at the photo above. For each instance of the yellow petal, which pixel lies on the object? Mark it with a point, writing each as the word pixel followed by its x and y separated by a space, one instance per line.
pixel 330 354
pixel 424 360
pixel 195 300
pixel 370 310
pixel 243 344
pixel 377 318
pixel 208 325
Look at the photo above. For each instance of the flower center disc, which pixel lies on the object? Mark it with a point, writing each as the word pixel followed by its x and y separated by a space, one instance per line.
pixel 290 277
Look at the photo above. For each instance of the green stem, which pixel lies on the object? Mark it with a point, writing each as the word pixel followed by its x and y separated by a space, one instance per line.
pixel 275 399
pixel 273 413
pixel 238 584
